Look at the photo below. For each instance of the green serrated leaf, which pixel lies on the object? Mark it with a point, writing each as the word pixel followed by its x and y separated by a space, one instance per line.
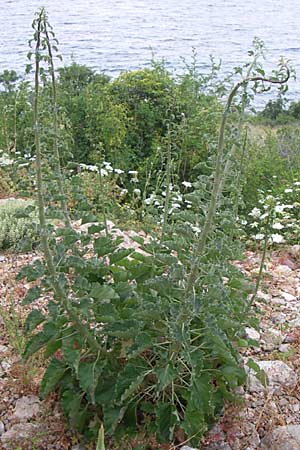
pixel 32 272
pixel 34 318
pixel 201 392
pixel 88 375
pixel 32 294
pixel 103 292
pixel 130 379
pixel 93 229
pixel 72 348
pixel 119 254
pixel 165 376
pixel 40 339
pixel 166 419
pixel 194 424
pixel 55 371
pixel 126 329
pixel 104 246
pixel 89 218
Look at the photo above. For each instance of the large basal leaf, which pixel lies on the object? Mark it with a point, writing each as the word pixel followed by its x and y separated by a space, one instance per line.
pixel 88 375
pixel 126 329
pixel 72 348
pixel 201 392
pixel 32 294
pixel 34 318
pixel 166 419
pixel 104 246
pixel 71 402
pixel 165 376
pixel 55 371
pixel 112 417
pixel 142 341
pixel 31 272
pixel 103 292
pixel 39 340
pixel 194 424
pixel 131 378
pixel 119 254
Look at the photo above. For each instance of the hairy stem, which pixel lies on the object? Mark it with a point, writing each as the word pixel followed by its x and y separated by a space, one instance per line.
pixel 58 290
pixel 219 175
pixel 168 181
pixel 59 174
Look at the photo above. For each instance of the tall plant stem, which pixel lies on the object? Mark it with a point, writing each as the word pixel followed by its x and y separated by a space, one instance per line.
pixel 219 176
pixel 168 181
pixel 58 290
pixel 103 201
pixel 261 269
pixel 59 173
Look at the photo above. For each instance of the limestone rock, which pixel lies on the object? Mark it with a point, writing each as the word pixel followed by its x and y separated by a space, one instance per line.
pixel 272 339
pixel 284 348
pixel 26 408
pixel 287 296
pixel 295 250
pixel 280 376
pixel 283 438
pixel 251 333
pixel 187 448
pixel 295 323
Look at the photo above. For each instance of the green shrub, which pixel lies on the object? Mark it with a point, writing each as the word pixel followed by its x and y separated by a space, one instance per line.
pixel 17 232
pixel 272 159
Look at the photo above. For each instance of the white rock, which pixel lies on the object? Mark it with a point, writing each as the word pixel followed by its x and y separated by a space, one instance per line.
pixel 280 376
pixel 2 428
pixel 295 250
pixel 3 349
pixel 27 407
pixel 5 365
pixel 288 297
pixel 272 338
pixel 283 438
pixel 284 348
pixel 187 448
pixel 251 333
pixel 278 301
pixel 282 270
pixel 295 323
pixel 263 295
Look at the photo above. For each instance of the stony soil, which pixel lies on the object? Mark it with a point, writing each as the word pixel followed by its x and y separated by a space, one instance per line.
pixel 266 418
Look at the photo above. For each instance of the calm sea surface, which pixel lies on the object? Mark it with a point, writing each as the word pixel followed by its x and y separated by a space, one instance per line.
pixel 115 35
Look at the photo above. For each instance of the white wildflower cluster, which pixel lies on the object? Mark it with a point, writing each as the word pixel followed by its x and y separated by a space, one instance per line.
pixel 5 160
pixel 277 216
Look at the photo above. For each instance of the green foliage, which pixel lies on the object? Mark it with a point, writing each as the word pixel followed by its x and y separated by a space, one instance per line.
pixel 272 161
pixel 18 228
pixel 142 339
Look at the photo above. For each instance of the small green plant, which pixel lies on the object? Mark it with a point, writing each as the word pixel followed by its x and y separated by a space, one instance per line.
pixel 13 325
pixel 145 340
pixel 18 228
